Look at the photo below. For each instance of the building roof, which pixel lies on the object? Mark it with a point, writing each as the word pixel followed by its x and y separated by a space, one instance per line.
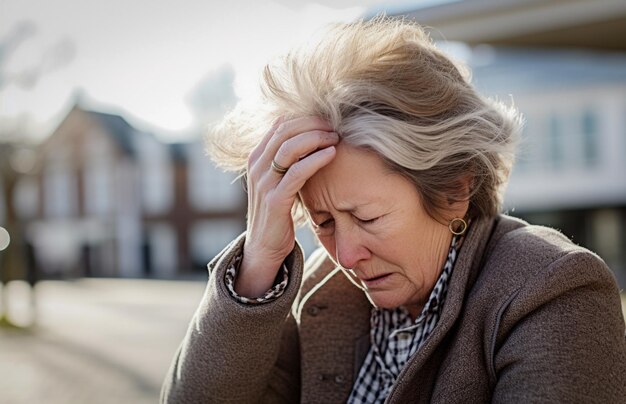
pixel 513 70
pixel 119 128
pixel 599 24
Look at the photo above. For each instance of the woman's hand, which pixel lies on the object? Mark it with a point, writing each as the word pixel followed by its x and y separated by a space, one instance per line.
pixel 303 145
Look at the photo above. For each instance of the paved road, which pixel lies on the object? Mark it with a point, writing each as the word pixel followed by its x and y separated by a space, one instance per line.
pixel 96 341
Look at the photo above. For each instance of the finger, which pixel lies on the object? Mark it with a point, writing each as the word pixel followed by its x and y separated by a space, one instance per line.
pixel 304 169
pixel 260 148
pixel 289 129
pixel 297 147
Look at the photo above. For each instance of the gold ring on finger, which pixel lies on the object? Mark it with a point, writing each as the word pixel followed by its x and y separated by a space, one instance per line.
pixel 278 168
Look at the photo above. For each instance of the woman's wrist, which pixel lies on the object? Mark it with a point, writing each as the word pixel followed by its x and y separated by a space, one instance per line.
pixel 256 276
pixel 273 293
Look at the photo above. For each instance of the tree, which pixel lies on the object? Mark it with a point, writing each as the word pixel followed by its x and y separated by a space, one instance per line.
pixel 13 263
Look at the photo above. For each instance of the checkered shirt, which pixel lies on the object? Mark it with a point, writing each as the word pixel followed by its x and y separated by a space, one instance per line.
pixel 395 338
pixel 276 291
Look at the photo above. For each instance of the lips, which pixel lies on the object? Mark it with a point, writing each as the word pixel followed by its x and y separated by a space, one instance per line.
pixel 373 278
pixel 375 281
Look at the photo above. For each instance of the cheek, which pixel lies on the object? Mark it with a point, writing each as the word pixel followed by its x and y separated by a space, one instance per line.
pixel 403 249
pixel 392 252
pixel 392 242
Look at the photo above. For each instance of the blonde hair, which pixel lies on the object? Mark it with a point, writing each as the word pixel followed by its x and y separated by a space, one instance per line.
pixel 384 86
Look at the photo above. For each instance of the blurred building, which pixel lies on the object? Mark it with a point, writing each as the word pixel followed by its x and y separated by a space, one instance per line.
pixel 105 199
pixel 571 161
pixel 563 64
pixel 591 24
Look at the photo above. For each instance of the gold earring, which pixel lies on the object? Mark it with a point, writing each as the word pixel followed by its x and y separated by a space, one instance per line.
pixel 457 226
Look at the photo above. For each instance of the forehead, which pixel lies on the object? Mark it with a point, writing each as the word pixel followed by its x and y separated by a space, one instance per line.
pixel 354 179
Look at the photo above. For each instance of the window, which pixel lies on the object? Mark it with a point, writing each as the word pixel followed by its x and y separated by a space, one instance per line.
pixel 157 175
pixel 97 180
pixel 26 197
pixel 590 134
pixel 161 246
pixel 209 187
pixel 98 187
pixel 60 185
pixel 157 186
pixel 524 150
pixel 209 237
pixel 556 142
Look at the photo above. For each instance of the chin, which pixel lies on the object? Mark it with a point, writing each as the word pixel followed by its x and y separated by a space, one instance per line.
pixel 383 300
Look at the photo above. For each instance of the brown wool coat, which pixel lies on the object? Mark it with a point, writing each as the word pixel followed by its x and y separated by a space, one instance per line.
pixel 529 317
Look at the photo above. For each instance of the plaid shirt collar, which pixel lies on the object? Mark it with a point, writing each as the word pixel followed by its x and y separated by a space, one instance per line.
pixel 395 337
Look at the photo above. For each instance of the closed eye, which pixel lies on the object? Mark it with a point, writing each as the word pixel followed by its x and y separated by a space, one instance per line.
pixel 326 223
pixel 367 221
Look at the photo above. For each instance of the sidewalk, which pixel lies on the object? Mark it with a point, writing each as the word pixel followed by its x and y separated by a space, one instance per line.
pixel 97 341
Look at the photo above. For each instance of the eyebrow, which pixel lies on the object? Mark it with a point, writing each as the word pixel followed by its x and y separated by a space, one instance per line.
pixel 353 209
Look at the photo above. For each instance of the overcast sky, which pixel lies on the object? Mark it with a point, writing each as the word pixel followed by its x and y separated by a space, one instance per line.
pixel 144 58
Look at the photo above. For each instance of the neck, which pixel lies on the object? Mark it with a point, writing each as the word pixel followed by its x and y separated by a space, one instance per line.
pixel 415 310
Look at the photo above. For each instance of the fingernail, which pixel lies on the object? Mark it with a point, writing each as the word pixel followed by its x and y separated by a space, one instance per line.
pixel 329 149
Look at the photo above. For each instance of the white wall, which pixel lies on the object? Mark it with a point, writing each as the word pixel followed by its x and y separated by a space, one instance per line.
pixel 209 237
pixel 554 171
pixel 162 240
pixel 209 187
pixel 98 175
pixel 26 197
pixel 157 175
pixel 128 220
pixel 60 193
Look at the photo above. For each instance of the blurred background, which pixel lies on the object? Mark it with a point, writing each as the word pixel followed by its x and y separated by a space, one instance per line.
pixel 110 211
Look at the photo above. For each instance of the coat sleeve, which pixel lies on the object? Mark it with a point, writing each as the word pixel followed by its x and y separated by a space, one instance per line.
pixel 562 337
pixel 237 353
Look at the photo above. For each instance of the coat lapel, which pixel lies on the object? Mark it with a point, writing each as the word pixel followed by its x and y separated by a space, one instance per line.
pixel 334 319
pixel 350 310
pixel 465 270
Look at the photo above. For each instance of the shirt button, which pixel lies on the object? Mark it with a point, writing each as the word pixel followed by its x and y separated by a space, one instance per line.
pixel 313 311
pixel 339 379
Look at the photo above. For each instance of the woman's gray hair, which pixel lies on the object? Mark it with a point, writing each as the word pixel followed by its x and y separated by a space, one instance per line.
pixel 384 86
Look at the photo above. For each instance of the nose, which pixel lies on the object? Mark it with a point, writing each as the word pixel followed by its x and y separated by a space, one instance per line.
pixel 349 248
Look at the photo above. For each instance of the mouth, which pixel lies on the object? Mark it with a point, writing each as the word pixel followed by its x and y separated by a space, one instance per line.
pixel 375 281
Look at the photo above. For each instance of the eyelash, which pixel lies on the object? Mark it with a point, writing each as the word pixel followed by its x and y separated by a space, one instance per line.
pixel 325 223
pixel 368 221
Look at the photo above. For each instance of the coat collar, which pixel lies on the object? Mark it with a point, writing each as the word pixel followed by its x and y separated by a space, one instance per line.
pixel 327 284
pixel 481 238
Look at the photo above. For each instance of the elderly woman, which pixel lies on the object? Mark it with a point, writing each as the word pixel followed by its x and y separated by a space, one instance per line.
pixel 422 291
